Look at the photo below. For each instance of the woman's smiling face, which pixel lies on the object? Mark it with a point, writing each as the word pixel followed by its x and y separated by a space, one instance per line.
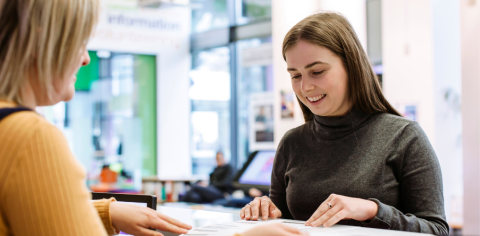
pixel 319 79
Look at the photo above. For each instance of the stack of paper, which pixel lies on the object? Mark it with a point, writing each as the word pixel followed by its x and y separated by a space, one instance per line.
pixel 229 229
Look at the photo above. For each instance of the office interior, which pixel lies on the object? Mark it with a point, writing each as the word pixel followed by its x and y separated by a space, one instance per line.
pixel 172 82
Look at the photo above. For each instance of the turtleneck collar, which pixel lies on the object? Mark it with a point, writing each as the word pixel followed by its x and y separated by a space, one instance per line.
pixel 339 127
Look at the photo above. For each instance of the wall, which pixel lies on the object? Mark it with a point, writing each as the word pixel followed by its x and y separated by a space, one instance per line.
pixel 447 92
pixel 408 58
pixel 163 32
pixel 470 46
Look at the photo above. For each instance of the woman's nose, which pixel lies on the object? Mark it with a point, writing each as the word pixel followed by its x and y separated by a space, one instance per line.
pixel 85 58
pixel 307 84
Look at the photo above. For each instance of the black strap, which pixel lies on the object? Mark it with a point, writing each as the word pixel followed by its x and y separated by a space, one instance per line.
pixel 4 112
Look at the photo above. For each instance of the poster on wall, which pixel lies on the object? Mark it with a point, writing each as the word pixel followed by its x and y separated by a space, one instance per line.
pixel 286 98
pixel 261 122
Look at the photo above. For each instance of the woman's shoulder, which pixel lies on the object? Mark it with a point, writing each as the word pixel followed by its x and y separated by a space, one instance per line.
pixel 389 121
pixel 19 127
pixel 25 120
pixel 23 137
pixel 396 125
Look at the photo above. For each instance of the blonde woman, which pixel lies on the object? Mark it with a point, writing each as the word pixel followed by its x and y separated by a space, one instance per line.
pixel 42 190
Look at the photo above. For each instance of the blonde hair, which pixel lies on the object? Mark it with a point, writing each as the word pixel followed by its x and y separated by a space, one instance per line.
pixel 333 31
pixel 41 39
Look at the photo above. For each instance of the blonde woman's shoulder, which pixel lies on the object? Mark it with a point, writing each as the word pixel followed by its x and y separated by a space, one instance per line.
pixel 18 128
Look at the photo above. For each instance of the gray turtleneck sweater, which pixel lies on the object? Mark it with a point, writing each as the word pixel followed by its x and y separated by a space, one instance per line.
pixel 381 157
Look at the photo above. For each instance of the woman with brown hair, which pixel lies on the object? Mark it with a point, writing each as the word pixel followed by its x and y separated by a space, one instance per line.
pixel 355 160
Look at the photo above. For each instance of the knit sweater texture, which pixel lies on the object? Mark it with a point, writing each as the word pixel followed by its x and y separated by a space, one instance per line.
pixel 42 187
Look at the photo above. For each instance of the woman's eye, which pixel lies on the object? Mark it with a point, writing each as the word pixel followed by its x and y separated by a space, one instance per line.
pixel 296 76
pixel 318 73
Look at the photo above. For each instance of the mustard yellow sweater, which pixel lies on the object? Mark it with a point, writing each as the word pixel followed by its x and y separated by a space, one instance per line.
pixel 42 185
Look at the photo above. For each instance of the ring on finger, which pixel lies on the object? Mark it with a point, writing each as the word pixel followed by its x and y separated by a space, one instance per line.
pixel 268 202
pixel 329 205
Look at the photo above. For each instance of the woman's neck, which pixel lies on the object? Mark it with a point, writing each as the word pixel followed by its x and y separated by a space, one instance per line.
pixel 28 97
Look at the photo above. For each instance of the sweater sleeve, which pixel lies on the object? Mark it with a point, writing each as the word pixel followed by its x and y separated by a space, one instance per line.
pixel 421 190
pixel 103 209
pixel 279 182
pixel 46 193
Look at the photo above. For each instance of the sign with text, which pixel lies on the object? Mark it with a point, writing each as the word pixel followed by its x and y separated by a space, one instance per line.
pixel 142 30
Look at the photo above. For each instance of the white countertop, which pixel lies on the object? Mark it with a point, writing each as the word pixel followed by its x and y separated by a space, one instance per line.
pixel 201 218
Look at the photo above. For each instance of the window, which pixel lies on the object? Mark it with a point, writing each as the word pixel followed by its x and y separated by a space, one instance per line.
pixel 249 11
pixel 209 15
pixel 210 104
pixel 223 77
pixel 253 76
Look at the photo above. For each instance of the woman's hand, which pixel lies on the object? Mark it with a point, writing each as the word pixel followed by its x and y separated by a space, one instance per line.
pixel 260 206
pixel 275 229
pixel 338 207
pixel 137 220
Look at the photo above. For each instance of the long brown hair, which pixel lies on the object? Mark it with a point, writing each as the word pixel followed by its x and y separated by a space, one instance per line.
pixel 333 31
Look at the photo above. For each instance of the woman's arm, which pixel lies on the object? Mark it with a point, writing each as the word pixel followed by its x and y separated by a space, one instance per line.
pixel 278 187
pixel 421 192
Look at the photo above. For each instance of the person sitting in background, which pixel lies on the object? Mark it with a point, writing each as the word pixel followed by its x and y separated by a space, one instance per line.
pixel 220 184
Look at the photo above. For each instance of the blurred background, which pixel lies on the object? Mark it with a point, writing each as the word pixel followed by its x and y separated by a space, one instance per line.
pixel 173 82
